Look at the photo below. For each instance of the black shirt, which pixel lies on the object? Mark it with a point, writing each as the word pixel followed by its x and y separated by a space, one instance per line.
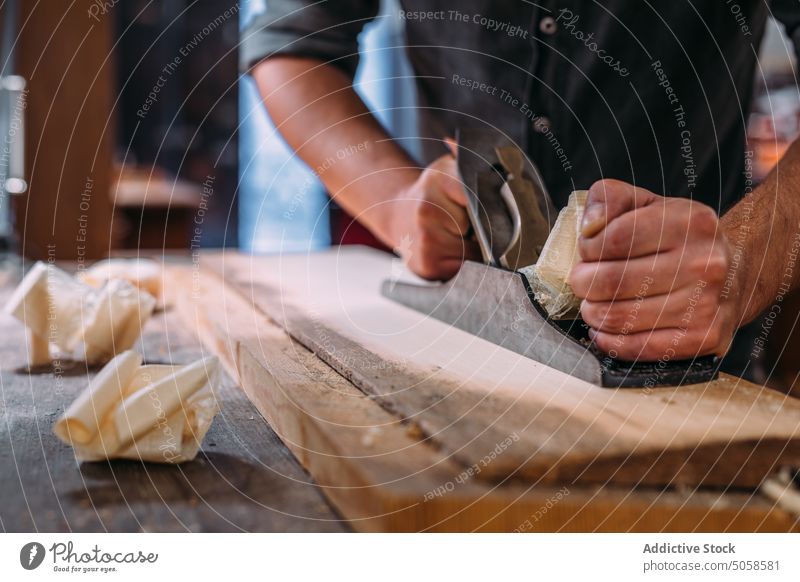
pixel 653 93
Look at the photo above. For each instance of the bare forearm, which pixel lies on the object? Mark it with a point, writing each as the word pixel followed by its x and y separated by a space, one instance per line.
pixel 326 123
pixel 763 231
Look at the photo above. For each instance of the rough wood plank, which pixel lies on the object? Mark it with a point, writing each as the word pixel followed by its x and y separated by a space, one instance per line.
pixel 469 395
pixel 244 479
pixel 379 473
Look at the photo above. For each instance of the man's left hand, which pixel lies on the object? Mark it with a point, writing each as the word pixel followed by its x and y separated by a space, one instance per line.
pixel 653 275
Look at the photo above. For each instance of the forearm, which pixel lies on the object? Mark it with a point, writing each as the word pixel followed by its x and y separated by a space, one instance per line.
pixel 322 119
pixel 763 232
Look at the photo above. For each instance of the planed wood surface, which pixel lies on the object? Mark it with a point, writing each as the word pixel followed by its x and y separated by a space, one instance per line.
pixel 470 396
pixel 383 474
pixel 244 478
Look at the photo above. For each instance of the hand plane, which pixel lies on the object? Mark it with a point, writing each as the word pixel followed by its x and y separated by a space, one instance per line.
pixel 511 214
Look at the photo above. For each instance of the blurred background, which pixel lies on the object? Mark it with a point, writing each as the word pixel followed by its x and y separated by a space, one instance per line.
pixel 127 125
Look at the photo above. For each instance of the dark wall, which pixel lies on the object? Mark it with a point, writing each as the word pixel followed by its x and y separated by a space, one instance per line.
pixel 177 72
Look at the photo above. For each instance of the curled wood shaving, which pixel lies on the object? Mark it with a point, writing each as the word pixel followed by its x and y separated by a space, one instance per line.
pixel 783 490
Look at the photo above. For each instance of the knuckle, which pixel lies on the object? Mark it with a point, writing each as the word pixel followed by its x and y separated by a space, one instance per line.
pixel 597 192
pixel 710 267
pixel 695 267
pixel 442 161
pixel 717 268
pixel 703 219
pixel 617 240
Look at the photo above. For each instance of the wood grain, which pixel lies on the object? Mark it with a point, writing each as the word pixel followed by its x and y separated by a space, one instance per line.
pixel 383 476
pixel 243 479
pixel 470 396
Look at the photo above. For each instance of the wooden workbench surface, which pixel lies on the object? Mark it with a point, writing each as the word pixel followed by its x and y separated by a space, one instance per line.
pixel 388 466
pixel 378 472
pixel 243 479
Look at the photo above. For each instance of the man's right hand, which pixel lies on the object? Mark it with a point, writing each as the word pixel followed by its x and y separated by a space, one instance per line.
pixel 429 221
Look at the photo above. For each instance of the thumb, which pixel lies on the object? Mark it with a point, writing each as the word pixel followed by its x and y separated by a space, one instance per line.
pixel 449 180
pixel 452 145
pixel 609 199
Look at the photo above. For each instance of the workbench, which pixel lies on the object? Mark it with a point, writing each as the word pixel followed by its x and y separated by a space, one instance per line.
pixel 368 459
pixel 243 479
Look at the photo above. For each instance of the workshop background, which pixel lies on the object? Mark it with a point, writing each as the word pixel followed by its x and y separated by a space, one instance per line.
pixel 128 126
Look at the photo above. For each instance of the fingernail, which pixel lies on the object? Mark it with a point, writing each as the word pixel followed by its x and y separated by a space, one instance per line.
pixel 594 220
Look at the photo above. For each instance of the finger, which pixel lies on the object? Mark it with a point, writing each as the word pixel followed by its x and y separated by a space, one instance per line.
pixel 440 269
pixel 637 233
pixel 448 269
pixel 678 310
pixel 609 199
pixel 643 276
pixel 467 249
pixel 449 245
pixel 648 230
pixel 657 345
pixel 438 255
pixel 447 191
pixel 449 180
pixel 442 214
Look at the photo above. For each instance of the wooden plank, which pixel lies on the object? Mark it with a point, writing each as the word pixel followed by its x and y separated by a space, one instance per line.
pixel 243 479
pixel 383 477
pixel 471 396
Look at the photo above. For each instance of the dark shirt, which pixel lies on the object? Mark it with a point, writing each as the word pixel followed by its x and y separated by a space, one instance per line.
pixel 653 93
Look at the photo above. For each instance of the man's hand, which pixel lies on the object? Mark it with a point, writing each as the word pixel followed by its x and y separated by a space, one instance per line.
pixel 421 214
pixel 651 275
pixel 429 221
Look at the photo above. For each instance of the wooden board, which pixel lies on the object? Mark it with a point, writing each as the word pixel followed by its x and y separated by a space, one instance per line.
pixel 383 475
pixel 244 478
pixel 481 402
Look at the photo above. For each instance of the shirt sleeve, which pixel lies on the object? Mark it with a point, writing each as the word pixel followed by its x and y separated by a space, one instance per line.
pixel 327 30
pixel 787 12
